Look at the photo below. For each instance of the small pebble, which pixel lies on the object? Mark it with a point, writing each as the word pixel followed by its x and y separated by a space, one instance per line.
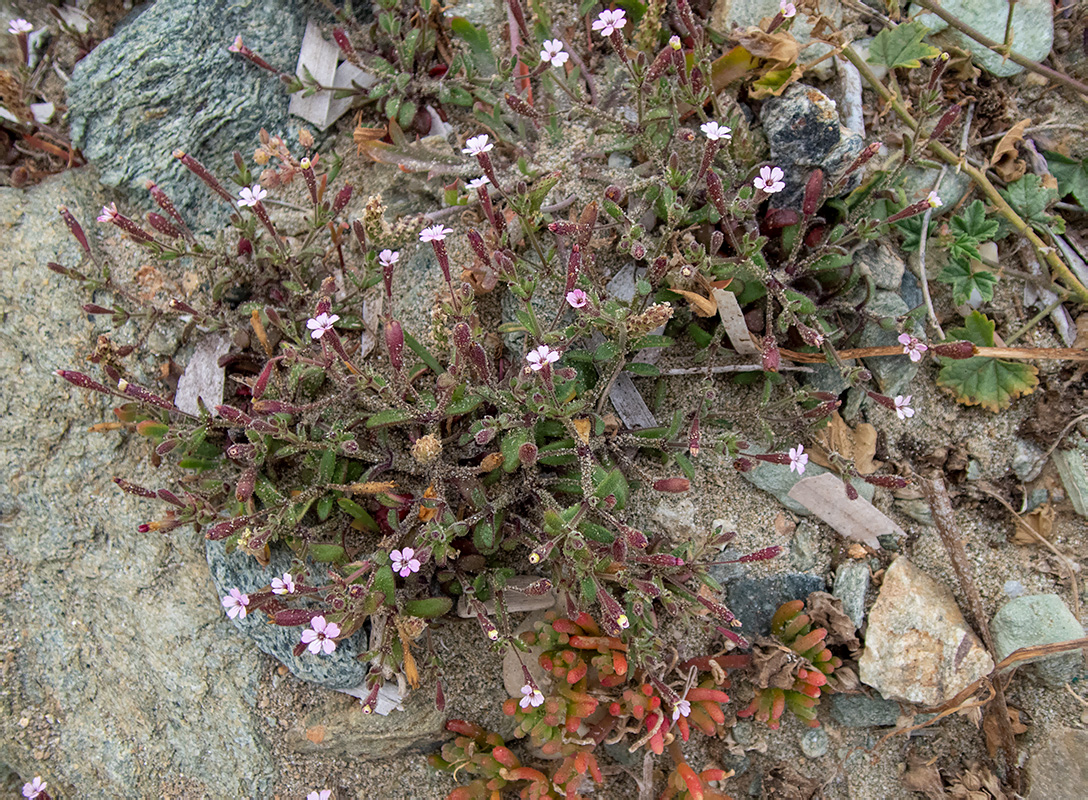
pixel 743 733
pixel 814 743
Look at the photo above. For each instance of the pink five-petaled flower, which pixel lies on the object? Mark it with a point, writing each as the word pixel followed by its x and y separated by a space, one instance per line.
pixel 320 636
pixel 15 27
pixel 404 561
pixel 531 696
pixel 577 298
pixel 553 53
pixel 770 180
pixel 34 788
pixel 609 21
pixel 284 585
pixel 714 131
pixel 236 46
pixel 479 183
pixel 541 357
pixel 933 200
pixel 902 407
pixel 109 213
pixel 477 145
pixel 912 347
pixel 798 459
pixel 236 603
pixel 388 258
pixel 251 195
pixel 786 9
pixel 324 794
pixel 681 709
pixel 321 324
pixel 435 233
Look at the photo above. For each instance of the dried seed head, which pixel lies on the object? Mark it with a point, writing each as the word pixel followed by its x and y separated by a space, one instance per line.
pixel 426 449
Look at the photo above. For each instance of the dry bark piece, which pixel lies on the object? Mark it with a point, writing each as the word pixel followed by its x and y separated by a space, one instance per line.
pixel 320 57
pixel 825 496
pixel 203 377
pixel 733 322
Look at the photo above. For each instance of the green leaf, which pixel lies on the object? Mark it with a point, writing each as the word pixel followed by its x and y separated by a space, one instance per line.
pixel 428 607
pixel 423 353
pixel 981 381
pixel 391 416
pixel 642 369
pixel 1030 199
pixel 902 46
pixel 1072 176
pixel 912 231
pixel 478 43
pixel 973 224
pixel 963 281
pixel 605 351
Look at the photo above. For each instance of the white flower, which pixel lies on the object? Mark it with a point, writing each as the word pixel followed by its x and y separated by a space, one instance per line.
pixel 109 213
pixel 786 9
pixel 770 180
pixel 531 696
pixel 321 324
pixel 553 53
pixel 902 407
pixel 15 27
pixel 798 459
pixel 477 183
pixel 284 585
pixel 388 258
pixel 681 709
pixel 541 357
pixel 912 347
pixel 477 145
pixel 577 298
pixel 435 233
pixel 933 200
pixel 34 788
pixel 236 46
pixel 404 561
pixel 320 636
pixel 324 794
pixel 609 21
pixel 714 131
pixel 235 603
pixel 250 196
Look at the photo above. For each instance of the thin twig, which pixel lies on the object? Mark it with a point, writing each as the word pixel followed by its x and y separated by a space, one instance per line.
pixel 1046 126
pixel 922 258
pixel 730 368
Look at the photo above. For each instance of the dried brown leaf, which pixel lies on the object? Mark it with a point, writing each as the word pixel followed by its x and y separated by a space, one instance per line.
pixel 702 306
pixel 773 666
pixel 1041 520
pixel 1006 159
pixel 826 611
pixel 857 444
pixel 779 47
pixel 923 777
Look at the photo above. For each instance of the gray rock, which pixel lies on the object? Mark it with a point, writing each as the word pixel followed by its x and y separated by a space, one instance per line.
pixel 892 375
pixel 814 743
pixel 918 647
pixel 339 670
pixel 166 81
pixel 677 518
pixel 744 732
pixel 116 647
pixel 917 509
pixel 1032 27
pixel 754 600
pixel 1027 461
pixel 1037 619
pixel 778 480
pixel 863 711
pixel 804 549
pixel 1058 765
pixel 918 182
pixel 884 262
pixel 851 584
pixel 911 291
pixel 804 132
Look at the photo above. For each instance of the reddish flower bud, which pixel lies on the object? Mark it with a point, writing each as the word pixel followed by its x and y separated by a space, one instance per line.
pixel 813 191
pixel 233 415
pixel 75 229
pixel 132 488
pixel 201 172
pixel 222 530
pixel 247 482
pixel 658 67
pixel 519 106
pixel 672 485
pixel 92 308
pixel 765 554
pixel 162 225
pixel 478 247
pixel 717 609
pixel 851 492
pixel 743 465
pixel 343 197
pixel 716 192
pixel 949 116
pixel 344 43
pixel 862 159
pixel 394 343
pixel 954 350
pixel 771 357
pixel 244 247
pixel 478 358
pixel 886 481
pixel 360 232
pixel 142 394
pixel 292 617
pixel 527 454
pixel 658 560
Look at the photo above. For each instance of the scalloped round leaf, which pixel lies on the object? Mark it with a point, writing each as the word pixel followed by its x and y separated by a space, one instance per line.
pixel 988 382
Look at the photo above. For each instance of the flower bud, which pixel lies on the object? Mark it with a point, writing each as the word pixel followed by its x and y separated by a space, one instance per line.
pixel 344 43
pixel 813 191
pixel 851 492
pixel 162 225
pixel 954 350
pixel 519 106
pixel 716 192
pixel 247 482
pixel 394 342
pixel 949 116
pixel 75 229
pixel 132 488
pixel 771 357
pixel 672 485
pixel 886 481
pixel 343 197
pixel 142 394
pixel 477 242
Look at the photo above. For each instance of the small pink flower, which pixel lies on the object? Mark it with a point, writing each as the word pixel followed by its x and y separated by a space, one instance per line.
pixel 912 347
pixel 714 131
pixel 15 27
pixel 541 357
pixel 902 407
pixel 324 794
pixel 235 603
pixel 388 258
pixel 609 21
pixel 478 183
pixel 320 636
pixel 405 561
pixel 531 696
pixel 786 9
pixel 770 180
pixel 681 709
pixel 553 53
pixel 284 585
pixel 798 459
pixel 435 233
pixel 236 46
pixel 577 298
pixel 109 213
pixel 321 324
pixel 33 788
pixel 251 195
pixel 477 145
pixel 934 201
